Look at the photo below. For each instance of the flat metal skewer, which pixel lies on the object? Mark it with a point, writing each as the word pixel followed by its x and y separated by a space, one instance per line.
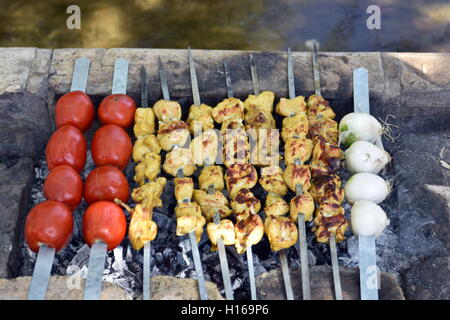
pixel 368 272
pixel 251 273
pixel 306 286
pixel 314 45
pixel 255 80
pixel 228 79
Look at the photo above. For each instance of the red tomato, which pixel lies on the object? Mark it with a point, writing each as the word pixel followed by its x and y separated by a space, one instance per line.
pixel 49 222
pixel 117 109
pixel 75 108
pixel 64 184
pixel 105 221
pixel 67 146
pixel 111 145
pixel 106 183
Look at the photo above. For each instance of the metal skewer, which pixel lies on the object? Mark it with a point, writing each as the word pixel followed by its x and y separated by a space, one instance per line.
pixel 43 267
pixel 314 45
pixel 220 245
pixel 306 289
pixel 368 272
pixel 93 288
pixel 194 247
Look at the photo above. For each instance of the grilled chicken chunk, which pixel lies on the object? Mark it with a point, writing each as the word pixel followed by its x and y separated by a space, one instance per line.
pixel 200 117
pixel 259 119
pixel 295 127
pixel 281 231
pixel 324 129
pixel 275 205
pixel 144 122
pixel 249 231
pixel 224 230
pixel 239 176
pixel 230 108
pixel 184 189
pixel 263 102
pixel 302 204
pixel 212 203
pixel 289 107
pixel 327 188
pixel 149 195
pixel 297 174
pixel 329 219
pixel 232 124
pixel 148 169
pixel 211 176
pixel 173 133
pixel 319 108
pixel 236 148
pixel 204 148
pixel 272 180
pixel 167 110
pixel 141 229
pixel 264 147
pixel 179 158
pixel 189 218
pixel 327 156
pixel 245 203
pixel 143 145
pixel 297 150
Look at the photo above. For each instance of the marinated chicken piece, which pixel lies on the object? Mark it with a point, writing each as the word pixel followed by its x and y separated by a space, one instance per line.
pixel 327 188
pixel 188 209
pixel 297 174
pixel 326 155
pixel 212 203
pixel 329 219
pixel 144 145
pixel 281 231
pixel 179 158
pixel 324 129
pixel 149 195
pixel 204 148
pixel 224 230
pixel 149 168
pixel 295 127
pixel 239 176
pixel 244 203
pixel 144 122
pixel 167 110
pixel 259 119
pixel 236 148
pixel 289 107
pixel 264 147
pixel 249 231
pixel 275 205
pixel 232 124
pixel 297 150
pixel 173 133
pixel 189 218
pixel 302 204
pixel 263 101
pixel 230 108
pixel 272 180
pixel 200 117
pixel 319 108
pixel 184 189
pixel 211 176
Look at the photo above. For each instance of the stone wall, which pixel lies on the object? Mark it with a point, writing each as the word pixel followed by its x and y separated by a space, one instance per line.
pixel 413 87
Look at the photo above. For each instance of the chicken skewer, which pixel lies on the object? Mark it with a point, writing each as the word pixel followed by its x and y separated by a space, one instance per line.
pixel 204 121
pixel 179 163
pixel 282 253
pixel 334 261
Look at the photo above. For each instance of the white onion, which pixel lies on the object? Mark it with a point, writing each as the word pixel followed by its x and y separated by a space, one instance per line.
pixel 366 186
pixel 364 156
pixel 368 219
pixel 359 126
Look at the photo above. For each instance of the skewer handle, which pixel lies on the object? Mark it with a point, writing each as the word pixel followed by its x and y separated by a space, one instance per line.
pixel 198 267
pixel 194 82
pixel 80 74
pixel 291 84
pixel 93 288
pixel 228 79
pixel 251 273
pixel 120 76
pixel 146 291
pixel 255 79
pixel 144 88
pixel 306 289
pixel 335 266
pixel 163 78
pixel 286 275
pixel 41 273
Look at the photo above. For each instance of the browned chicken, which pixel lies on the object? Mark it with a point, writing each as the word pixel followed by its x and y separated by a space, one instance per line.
pixel 263 102
pixel 326 156
pixel 295 127
pixel 232 124
pixel 297 150
pixel 290 107
pixel 249 231
pixel 204 148
pixel 211 176
pixel 179 158
pixel 212 203
pixel 319 108
pixel 275 205
pixel 324 129
pixel 200 118
pixel 244 203
pixel 224 230
pixel 327 188
pixel 167 110
pixel 144 122
pixel 302 204
pixel 259 119
pixel 297 175
pixel 184 189
pixel 272 180
pixel 230 108
pixel 281 231
pixel 240 176
pixel 144 145
pixel 329 219
pixel 173 133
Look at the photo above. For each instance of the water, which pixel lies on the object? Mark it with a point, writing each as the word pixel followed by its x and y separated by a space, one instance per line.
pixel 339 25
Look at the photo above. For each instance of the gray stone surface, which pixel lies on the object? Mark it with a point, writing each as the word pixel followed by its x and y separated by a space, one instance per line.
pixel 270 285
pixel 16 177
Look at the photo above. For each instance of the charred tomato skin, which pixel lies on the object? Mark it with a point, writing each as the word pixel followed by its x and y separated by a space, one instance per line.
pixel 65 185
pixel 67 146
pixel 106 183
pixel 111 145
pixel 104 221
pixel 117 109
pixel 75 108
pixel 49 222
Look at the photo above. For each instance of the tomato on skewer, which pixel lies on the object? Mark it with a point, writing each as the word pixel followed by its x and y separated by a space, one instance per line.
pixel 106 183
pixel 104 221
pixel 49 222
pixel 117 109
pixel 67 146
pixel 75 108
pixel 65 185
pixel 111 145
